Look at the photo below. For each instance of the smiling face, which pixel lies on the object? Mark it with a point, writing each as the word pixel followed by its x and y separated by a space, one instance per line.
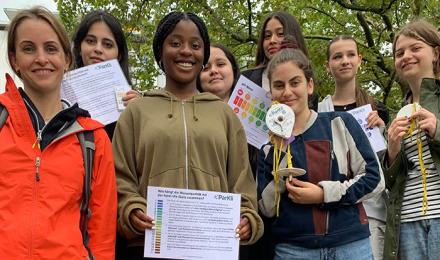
pixel 182 55
pixel 39 58
pixel 344 60
pixel 99 44
pixel 273 35
pixel 414 59
pixel 218 76
pixel 289 86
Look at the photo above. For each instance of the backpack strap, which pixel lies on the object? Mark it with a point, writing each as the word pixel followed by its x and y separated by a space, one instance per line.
pixel 87 142
pixel 3 115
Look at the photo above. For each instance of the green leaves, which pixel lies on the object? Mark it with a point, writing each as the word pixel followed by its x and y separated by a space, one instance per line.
pixel 236 24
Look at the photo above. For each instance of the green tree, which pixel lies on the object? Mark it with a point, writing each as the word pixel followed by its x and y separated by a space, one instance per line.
pixel 236 24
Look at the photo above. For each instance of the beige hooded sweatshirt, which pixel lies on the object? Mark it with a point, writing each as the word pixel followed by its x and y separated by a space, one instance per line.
pixel 195 144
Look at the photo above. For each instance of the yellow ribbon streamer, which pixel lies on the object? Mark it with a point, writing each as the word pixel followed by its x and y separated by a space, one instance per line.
pixel 276 165
pixel 412 127
pixel 275 169
pixel 289 157
pixel 276 175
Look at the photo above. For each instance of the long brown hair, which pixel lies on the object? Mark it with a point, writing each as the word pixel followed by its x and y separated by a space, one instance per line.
pixel 361 96
pixel 290 27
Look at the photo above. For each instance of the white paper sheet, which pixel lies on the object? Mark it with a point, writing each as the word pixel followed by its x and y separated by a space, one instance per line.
pixel 376 139
pixel 96 89
pixel 192 224
pixel 250 102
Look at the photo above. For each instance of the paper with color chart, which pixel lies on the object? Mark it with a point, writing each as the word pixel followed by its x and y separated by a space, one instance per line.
pixel 250 102
pixel 376 139
pixel 192 224
pixel 97 88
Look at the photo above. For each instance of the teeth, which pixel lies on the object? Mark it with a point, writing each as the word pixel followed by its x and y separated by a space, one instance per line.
pixel 42 72
pixel 185 64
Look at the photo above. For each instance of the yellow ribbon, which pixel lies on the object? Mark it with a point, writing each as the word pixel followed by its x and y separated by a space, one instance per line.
pixel 276 165
pixel 276 175
pixel 289 157
pixel 412 127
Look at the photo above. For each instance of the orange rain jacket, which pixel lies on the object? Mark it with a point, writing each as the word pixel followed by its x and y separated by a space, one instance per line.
pixel 39 219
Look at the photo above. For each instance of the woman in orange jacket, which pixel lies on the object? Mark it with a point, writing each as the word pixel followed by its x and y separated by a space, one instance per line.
pixel 42 172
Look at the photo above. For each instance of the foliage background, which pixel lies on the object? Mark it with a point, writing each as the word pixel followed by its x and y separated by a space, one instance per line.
pixel 236 24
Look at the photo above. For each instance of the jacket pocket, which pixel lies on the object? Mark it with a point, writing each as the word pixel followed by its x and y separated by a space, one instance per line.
pixel 196 179
pixel 173 178
pixel 203 180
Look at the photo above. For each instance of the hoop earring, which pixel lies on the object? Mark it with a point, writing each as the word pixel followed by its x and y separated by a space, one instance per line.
pixel 203 67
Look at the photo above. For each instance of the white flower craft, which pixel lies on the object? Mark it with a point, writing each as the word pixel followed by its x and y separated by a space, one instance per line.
pixel 280 120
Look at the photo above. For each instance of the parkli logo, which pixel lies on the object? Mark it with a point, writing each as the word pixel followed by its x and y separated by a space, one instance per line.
pixel 222 197
pixel 103 66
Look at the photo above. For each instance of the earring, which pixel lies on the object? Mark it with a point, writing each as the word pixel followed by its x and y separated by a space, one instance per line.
pixel 203 67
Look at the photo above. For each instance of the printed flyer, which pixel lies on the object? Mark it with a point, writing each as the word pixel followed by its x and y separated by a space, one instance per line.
pixel 192 224
pixel 251 102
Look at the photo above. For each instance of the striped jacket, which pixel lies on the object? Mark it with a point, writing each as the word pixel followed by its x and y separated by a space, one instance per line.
pixel 338 157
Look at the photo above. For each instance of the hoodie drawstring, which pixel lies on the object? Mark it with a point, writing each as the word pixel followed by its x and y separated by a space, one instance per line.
pixel 170 115
pixel 194 110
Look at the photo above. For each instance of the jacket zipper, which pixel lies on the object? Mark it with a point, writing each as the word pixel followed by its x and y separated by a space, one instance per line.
pixel 186 144
pixel 332 156
pixel 37 166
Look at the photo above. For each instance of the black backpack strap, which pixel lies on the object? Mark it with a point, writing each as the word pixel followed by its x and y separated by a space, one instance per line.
pixel 87 142
pixel 3 115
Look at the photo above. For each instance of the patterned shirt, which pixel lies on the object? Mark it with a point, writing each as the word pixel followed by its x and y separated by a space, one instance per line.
pixel 413 194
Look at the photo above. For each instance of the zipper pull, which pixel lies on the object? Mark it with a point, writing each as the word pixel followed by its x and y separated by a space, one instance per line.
pixel 37 142
pixel 37 166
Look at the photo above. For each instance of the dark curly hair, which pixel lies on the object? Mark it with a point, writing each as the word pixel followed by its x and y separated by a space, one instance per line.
pixel 167 25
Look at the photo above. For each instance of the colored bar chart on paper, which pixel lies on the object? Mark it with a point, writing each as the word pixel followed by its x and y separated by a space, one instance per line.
pixel 250 102
pixel 158 230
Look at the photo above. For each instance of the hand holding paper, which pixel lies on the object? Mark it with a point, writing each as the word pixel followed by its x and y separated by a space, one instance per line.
pixel 140 220
pixel 244 229
pixel 364 115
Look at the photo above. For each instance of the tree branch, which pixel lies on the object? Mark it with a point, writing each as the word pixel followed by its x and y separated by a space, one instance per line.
pixel 236 36
pixel 129 34
pixel 366 29
pixel 387 89
pixel 388 26
pixel 357 7
pixel 370 41
pixel 326 14
pixel 249 19
pixel 318 37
